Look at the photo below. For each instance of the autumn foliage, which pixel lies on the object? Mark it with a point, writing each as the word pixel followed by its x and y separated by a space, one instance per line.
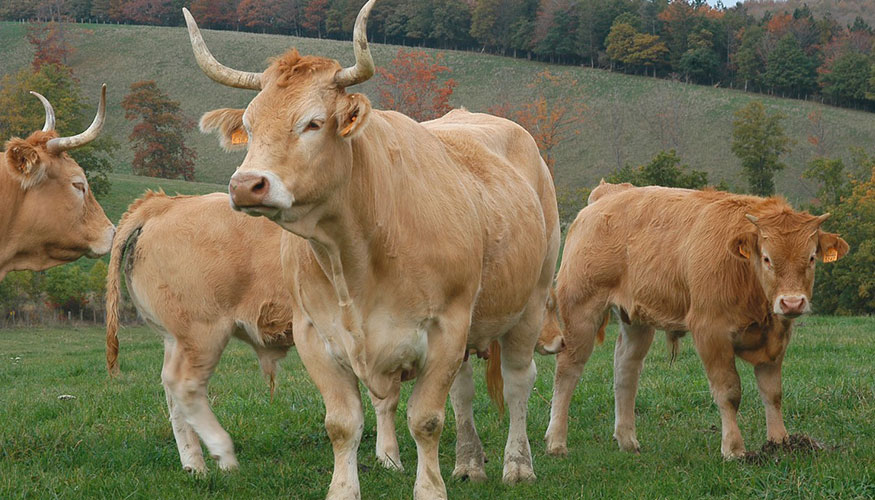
pixel 159 139
pixel 50 45
pixel 551 120
pixel 412 85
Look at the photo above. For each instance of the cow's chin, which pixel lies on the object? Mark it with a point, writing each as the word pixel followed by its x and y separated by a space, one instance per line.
pixel 271 213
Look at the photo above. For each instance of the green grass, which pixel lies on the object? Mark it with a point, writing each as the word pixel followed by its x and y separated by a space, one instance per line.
pixel 120 55
pixel 126 188
pixel 114 440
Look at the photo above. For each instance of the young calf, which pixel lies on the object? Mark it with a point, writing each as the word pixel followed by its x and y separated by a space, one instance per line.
pixel 733 270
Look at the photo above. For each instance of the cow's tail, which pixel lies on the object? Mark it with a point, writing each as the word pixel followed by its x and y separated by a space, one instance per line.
pixel 494 381
pixel 672 339
pixel 600 336
pixel 128 228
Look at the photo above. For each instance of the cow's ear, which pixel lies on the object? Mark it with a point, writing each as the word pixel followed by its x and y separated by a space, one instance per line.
pixel 744 245
pixel 831 247
pixel 23 159
pixel 352 115
pixel 228 125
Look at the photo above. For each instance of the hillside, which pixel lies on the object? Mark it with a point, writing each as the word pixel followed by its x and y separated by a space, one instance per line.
pixel 622 110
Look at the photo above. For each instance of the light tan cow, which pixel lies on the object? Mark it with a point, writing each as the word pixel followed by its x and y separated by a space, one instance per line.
pixel 420 241
pixel 48 214
pixel 732 269
pixel 199 273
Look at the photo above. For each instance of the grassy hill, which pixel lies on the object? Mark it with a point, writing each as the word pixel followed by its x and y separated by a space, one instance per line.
pixel 622 110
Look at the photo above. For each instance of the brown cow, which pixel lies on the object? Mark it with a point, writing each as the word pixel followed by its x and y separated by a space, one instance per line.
pixel 420 242
pixel 198 289
pixel 732 269
pixel 48 214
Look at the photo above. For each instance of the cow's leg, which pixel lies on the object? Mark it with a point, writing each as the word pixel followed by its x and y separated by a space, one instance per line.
pixel 388 453
pixel 344 418
pixel 425 408
pixel 631 348
pixel 190 453
pixel 582 324
pixel 187 376
pixel 769 382
pixel 518 371
pixel 718 357
pixel 469 450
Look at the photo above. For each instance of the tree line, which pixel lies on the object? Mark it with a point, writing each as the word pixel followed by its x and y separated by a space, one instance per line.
pixel 791 53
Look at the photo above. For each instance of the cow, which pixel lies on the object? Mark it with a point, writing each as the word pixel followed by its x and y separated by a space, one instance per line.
pixel 198 289
pixel 407 244
pixel 48 214
pixel 734 270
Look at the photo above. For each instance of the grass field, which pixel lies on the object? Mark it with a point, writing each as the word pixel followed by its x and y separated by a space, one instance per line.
pixel 114 440
pixel 120 55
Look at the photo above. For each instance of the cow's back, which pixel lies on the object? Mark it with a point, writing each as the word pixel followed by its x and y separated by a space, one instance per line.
pixel 655 249
pixel 196 261
pixel 517 205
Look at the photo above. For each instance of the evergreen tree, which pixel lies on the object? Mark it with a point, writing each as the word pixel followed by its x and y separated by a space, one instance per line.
pixel 788 70
pixel 758 140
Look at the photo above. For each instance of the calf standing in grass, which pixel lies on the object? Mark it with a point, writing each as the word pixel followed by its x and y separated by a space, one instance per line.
pixel 196 270
pixel 734 270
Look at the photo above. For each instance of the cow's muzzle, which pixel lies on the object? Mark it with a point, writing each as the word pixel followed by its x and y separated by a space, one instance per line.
pixel 792 306
pixel 248 190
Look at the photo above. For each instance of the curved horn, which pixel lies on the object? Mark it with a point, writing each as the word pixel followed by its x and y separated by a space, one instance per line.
pixel 50 112
pixel 364 63
pixel 60 144
pixel 822 218
pixel 213 68
pixel 752 219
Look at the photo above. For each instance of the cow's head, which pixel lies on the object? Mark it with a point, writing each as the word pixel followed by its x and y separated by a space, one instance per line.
pixel 783 247
pixel 298 128
pixel 552 340
pixel 53 216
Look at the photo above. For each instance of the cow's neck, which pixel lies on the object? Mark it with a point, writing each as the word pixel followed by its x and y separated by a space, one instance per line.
pixel 10 200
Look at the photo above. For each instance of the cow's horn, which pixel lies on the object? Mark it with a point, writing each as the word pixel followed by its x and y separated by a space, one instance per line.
pixel 60 144
pixel 50 112
pixel 753 219
pixel 213 68
pixel 364 63
pixel 822 218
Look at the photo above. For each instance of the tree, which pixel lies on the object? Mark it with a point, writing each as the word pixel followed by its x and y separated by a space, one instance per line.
pixel 159 139
pixel 664 169
pixel 551 121
pixel 788 70
pixel 635 49
pixel 413 85
pixel 758 140
pixel 50 45
pixel 835 184
pixel 847 80
pixel 748 60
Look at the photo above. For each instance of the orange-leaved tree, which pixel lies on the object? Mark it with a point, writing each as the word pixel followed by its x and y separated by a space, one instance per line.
pixel 159 139
pixel 412 85
pixel 551 120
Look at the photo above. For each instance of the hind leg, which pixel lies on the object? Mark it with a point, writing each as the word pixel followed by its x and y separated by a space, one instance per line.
pixel 631 348
pixel 518 371
pixel 190 453
pixel 388 453
pixel 469 450
pixel 186 375
pixel 582 323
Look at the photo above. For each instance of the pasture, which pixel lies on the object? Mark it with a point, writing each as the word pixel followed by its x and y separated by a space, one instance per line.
pixel 114 440
pixel 625 113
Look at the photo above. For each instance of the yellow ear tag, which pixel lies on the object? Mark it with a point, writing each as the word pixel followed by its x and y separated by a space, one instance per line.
pixel 743 252
pixel 239 136
pixel 831 255
pixel 346 130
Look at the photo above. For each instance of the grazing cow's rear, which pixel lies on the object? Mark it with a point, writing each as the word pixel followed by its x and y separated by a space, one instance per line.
pixel 48 214
pixel 734 270
pixel 198 272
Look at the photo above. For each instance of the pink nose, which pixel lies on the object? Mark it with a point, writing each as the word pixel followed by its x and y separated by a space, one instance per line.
pixel 793 305
pixel 248 190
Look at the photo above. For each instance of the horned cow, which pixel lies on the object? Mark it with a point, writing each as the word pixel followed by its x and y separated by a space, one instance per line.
pixel 413 243
pixel 48 214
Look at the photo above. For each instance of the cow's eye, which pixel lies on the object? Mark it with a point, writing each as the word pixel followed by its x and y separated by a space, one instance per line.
pixel 811 260
pixel 80 186
pixel 313 125
pixel 767 260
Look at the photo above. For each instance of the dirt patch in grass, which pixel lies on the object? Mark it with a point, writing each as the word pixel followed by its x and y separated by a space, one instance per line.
pixel 774 452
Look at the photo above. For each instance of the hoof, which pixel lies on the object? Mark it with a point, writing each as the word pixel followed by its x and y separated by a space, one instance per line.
pixel 517 473
pixel 469 472
pixel 391 463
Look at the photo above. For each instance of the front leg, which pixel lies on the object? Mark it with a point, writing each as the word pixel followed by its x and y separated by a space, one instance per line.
pixel 344 418
pixel 425 408
pixel 718 357
pixel 769 382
